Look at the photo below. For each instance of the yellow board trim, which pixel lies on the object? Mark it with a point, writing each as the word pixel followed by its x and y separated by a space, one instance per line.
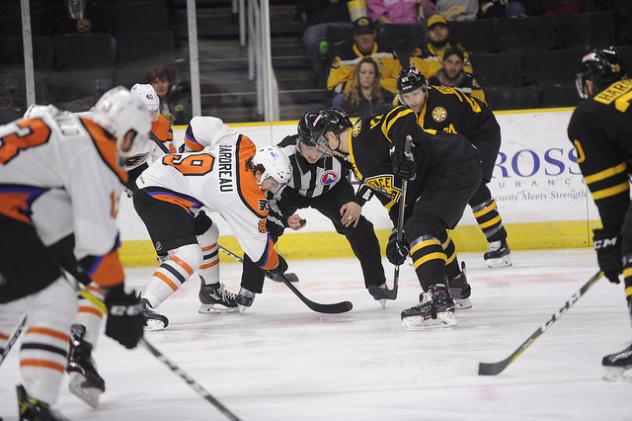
pixel 627 272
pixel 437 255
pixel 485 210
pixel 325 245
pixel 611 191
pixel 490 223
pixel 423 244
pixel 608 172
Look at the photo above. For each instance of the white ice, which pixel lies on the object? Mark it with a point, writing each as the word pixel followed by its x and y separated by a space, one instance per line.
pixel 281 361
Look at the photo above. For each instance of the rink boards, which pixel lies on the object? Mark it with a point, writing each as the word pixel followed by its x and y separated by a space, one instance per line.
pixel 537 185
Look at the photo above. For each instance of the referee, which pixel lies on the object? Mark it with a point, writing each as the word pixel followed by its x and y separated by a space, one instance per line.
pixel 321 183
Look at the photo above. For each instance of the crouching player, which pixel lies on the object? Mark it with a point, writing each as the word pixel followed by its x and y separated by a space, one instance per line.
pixel 228 176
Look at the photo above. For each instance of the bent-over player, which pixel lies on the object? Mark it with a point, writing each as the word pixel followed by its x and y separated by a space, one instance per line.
pixel 443 171
pixel 321 182
pixel 59 177
pixel 228 176
pixel 601 131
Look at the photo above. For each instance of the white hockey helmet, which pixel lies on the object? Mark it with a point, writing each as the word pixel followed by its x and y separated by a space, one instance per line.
pixel 119 112
pixel 35 111
pixel 147 93
pixel 275 163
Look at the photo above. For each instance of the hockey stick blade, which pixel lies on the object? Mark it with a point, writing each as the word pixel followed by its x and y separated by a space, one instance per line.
pixel 188 380
pixel 341 307
pixel 493 369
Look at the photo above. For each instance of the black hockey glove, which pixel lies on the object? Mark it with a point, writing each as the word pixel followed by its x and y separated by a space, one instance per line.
pixel 397 251
pixel 125 321
pixel 607 244
pixel 404 165
pixel 277 273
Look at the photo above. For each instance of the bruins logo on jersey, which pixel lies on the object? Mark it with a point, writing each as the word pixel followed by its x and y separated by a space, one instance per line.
pixel 439 114
pixel 384 184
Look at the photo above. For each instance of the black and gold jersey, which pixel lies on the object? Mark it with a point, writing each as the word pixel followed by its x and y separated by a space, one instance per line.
pixel 427 59
pixel 372 138
pixel 465 83
pixel 601 131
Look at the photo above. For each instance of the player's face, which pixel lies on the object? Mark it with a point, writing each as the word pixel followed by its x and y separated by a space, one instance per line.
pixel 311 153
pixel 453 66
pixel 269 185
pixel 366 75
pixel 125 145
pixel 415 99
pixel 365 41
pixel 438 33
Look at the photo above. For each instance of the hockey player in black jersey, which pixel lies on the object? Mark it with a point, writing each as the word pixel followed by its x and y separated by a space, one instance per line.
pixel 601 131
pixel 321 182
pixel 448 110
pixel 443 170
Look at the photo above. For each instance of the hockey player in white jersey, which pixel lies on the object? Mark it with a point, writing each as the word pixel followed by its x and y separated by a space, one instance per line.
pixel 59 177
pixel 227 175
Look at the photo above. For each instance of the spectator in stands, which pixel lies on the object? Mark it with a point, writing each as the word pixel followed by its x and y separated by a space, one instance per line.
pixel 364 95
pixel 348 54
pixel 58 17
pixel 565 7
pixel 459 10
pixel 453 76
pixel 394 11
pixel 175 99
pixel 320 15
pixel 427 59
pixel 501 8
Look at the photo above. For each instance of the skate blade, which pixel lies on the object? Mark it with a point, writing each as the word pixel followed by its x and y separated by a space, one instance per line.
pixel 383 303
pixel 443 320
pixel 154 324
pixel 89 395
pixel 242 309
pixel 501 262
pixel 614 374
pixel 462 303
pixel 216 309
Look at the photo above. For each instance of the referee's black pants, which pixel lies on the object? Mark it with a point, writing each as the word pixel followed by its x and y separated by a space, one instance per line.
pixel 362 238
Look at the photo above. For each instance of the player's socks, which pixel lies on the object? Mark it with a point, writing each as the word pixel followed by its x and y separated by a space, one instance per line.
pixel 85 382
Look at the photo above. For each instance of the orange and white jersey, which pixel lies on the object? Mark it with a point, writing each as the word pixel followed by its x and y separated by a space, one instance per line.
pixel 59 172
pixel 219 179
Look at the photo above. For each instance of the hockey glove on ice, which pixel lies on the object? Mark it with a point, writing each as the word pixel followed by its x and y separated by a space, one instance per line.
pixel 278 271
pixel 397 251
pixel 125 321
pixel 404 165
pixel 607 243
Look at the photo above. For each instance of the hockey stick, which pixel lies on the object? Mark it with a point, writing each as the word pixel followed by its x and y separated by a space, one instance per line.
pixel 470 367
pixel 13 339
pixel 392 293
pixel 188 380
pixel 341 307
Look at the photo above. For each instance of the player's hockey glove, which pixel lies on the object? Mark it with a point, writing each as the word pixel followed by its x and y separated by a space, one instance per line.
pixel 277 272
pixel 404 165
pixel 125 321
pixel 397 251
pixel 607 243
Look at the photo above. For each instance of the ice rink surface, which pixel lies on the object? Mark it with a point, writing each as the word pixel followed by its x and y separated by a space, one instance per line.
pixel 281 361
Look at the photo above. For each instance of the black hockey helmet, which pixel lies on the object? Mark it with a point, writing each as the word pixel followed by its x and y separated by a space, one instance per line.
pixel 313 126
pixel 409 80
pixel 602 66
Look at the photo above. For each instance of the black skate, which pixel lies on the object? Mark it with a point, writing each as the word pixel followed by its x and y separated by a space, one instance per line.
pixel 31 409
pixel 617 364
pixel 381 293
pixel 85 382
pixel 460 290
pixel 498 254
pixel 216 299
pixel 153 320
pixel 435 310
pixel 245 298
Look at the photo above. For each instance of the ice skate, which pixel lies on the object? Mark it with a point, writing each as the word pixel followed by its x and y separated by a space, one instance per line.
pixel 460 290
pixel 245 298
pixel 380 293
pixel 30 409
pixel 216 299
pixel 153 320
pixel 617 364
pixel 84 380
pixel 435 310
pixel 498 254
